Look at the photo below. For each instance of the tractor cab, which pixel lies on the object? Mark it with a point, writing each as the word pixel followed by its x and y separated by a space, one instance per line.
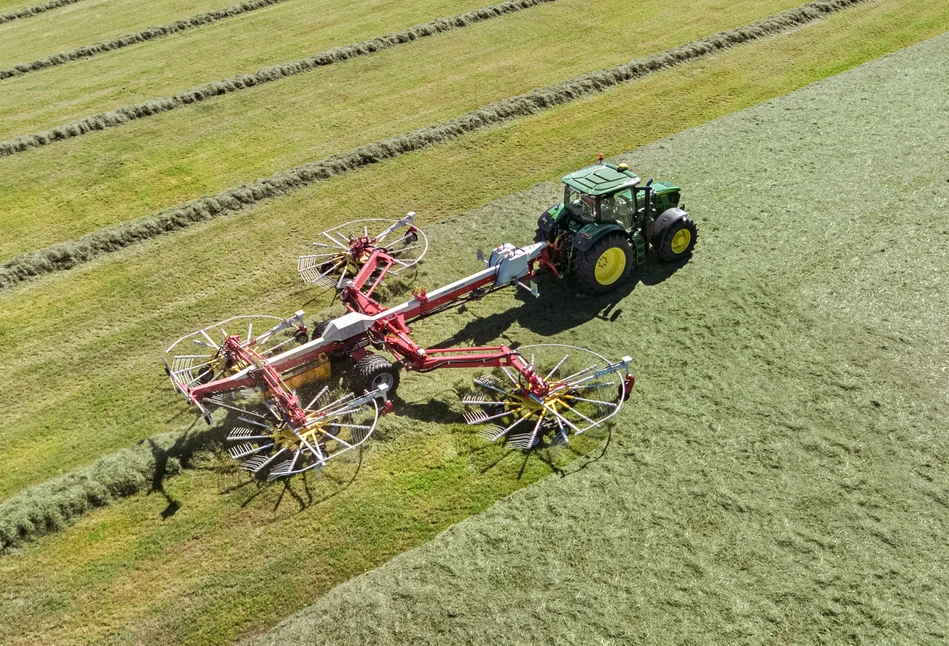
pixel 601 193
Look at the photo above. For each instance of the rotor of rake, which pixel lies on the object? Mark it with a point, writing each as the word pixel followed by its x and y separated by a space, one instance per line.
pixel 268 445
pixel 581 391
pixel 344 250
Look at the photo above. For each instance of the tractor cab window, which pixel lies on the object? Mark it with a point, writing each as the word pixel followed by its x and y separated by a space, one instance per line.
pixel 580 205
pixel 617 208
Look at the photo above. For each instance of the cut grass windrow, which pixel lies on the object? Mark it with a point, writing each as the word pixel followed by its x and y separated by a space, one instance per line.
pixel 152 33
pixel 66 255
pixel 54 504
pixel 27 12
pixel 227 86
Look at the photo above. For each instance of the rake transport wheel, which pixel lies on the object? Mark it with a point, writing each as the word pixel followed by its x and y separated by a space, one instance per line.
pixel 271 448
pixel 343 250
pixel 584 390
pixel 604 266
pixel 678 241
pixel 373 371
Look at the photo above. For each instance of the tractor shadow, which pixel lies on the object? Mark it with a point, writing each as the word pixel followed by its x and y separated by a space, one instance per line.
pixel 561 306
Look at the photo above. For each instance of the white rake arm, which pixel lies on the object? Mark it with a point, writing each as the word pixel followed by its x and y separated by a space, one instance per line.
pixel 293 322
pixel 380 393
pixel 622 364
pixel 407 221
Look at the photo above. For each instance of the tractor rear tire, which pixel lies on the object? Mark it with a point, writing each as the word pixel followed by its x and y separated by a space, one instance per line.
pixel 678 241
pixel 373 371
pixel 606 265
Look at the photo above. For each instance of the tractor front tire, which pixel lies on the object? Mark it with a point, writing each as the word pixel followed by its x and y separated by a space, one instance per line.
pixel 606 265
pixel 373 371
pixel 678 241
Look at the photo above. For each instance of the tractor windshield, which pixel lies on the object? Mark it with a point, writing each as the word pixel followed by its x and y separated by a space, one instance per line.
pixel 580 205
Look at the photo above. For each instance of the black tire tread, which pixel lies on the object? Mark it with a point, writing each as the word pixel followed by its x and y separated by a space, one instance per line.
pixel 664 248
pixel 369 367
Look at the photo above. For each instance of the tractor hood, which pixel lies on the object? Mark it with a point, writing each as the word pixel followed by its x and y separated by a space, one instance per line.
pixel 600 179
pixel 661 188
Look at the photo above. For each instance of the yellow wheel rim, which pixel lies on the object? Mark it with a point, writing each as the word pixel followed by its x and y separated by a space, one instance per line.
pixel 681 240
pixel 610 266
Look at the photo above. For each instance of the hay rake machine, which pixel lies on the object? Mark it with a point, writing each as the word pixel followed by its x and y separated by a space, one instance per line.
pixel 535 393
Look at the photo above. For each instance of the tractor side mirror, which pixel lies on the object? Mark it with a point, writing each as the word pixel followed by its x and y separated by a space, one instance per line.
pixel 480 255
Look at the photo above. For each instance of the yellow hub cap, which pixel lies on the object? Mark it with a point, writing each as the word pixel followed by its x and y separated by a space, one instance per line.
pixel 610 266
pixel 529 408
pixel 681 240
pixel 287 439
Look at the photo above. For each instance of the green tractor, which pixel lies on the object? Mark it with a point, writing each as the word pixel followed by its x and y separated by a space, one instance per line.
pixel 607 221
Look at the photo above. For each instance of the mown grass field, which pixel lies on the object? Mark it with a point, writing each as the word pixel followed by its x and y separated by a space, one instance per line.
pixel 129 306
pixel 129 172
pixel 15 6
pixel 89 22
pixel 125 574
pixel 782 477
pixel 214 52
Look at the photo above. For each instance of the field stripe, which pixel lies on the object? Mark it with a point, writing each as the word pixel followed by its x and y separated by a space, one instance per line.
pixel 66 255
pixel 54 504
pixel 244 81
pixel 27 12
pixel 152 33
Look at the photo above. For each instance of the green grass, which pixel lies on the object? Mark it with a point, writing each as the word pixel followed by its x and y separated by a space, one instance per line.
pixel 782 475
pixel 780 395
pixel 14 6
pixel 82 185
pixel 132 75
pixel 120 313
pixel 89 22
pixel 235 555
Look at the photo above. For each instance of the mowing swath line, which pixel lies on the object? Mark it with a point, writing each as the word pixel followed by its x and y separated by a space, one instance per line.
pixel 66 255
pixel 265 75
pixel 27 12
pixel 152 33
pixel 52 505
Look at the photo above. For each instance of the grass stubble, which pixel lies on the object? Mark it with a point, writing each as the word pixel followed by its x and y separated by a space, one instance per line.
pixel 87 184
pixel 84 23
pixel 127 312
pixel 724 331
pixel 265 75
pixel 66 255
pixel 782 473
pixel 35 10
pixel 145 35
pixel 165 67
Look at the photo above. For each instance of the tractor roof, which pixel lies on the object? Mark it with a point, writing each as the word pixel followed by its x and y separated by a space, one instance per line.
pixel 600 179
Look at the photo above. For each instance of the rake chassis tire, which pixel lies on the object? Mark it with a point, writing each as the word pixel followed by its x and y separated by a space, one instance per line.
pixel 372 371
pixel 678 240
pixel 606 265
